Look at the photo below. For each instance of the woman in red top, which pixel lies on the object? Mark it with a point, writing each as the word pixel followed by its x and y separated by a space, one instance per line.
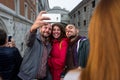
pixel 57 57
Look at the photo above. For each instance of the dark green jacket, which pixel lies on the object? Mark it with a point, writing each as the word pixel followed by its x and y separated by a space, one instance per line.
pixel 83 52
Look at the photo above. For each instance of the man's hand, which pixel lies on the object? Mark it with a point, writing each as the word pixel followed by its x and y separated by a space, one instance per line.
pixel 39 21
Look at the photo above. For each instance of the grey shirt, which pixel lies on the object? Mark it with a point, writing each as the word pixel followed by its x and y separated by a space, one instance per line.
pixel 32 56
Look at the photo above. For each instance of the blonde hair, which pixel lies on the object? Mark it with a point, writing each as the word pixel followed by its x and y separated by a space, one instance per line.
pixel 104 35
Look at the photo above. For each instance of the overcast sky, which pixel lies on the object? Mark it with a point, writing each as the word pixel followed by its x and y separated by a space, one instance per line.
pixel 67 4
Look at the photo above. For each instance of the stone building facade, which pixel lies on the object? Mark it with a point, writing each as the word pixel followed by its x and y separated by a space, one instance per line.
pixel 81 14
pixel 16 17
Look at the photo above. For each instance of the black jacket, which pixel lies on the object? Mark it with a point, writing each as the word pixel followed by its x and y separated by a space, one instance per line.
pixel 10 60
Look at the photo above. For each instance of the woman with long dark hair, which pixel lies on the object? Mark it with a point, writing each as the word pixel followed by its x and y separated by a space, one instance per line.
pixel 57 57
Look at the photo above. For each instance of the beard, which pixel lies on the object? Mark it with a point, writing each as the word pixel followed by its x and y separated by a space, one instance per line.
pixel 45 36
pixel 71 37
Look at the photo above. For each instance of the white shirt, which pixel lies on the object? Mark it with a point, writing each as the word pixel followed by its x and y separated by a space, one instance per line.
pixel 73 74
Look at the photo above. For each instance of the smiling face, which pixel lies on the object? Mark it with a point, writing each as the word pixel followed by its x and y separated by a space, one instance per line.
pixel 46 30
pixel 56 32
pixel 71 31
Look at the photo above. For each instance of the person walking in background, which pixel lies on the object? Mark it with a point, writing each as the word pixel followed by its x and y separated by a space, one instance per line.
pixel 76 54
pixel 10 59
pixel 57 57
pixel 104 35
pixel 34 64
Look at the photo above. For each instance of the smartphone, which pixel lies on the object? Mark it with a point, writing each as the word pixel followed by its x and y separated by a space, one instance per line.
pixel 9 38
pixel 53 17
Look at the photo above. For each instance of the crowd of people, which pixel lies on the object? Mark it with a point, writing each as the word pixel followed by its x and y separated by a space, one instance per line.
pixel 57 52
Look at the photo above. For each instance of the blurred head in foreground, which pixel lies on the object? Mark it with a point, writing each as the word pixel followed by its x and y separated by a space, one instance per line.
pixel 104 35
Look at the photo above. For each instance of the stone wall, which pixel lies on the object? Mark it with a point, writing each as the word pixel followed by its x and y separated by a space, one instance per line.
pixel 15 25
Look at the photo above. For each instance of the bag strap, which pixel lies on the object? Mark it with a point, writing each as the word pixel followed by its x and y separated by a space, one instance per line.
pixel 78 44
pixel 81 39
pixel 60 45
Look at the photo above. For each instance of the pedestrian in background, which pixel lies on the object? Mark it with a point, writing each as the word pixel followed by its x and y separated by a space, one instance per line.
pixel 34 64
pixel 10 59
pixel 57 57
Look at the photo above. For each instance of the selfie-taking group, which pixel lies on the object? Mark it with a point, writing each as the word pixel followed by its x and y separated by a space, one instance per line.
pixel 54 51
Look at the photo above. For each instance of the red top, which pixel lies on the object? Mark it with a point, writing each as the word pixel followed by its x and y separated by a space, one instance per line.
pixel 57 57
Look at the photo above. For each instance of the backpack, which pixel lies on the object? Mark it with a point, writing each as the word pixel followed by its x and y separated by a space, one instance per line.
pixel 83 52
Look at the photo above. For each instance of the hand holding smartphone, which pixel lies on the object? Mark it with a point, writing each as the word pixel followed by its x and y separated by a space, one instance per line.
pixel 53 17
pixel 9 38
pixel 11 42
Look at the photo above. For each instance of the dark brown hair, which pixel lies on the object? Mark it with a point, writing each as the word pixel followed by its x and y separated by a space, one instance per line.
pixel 3 37
pixel 62 29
